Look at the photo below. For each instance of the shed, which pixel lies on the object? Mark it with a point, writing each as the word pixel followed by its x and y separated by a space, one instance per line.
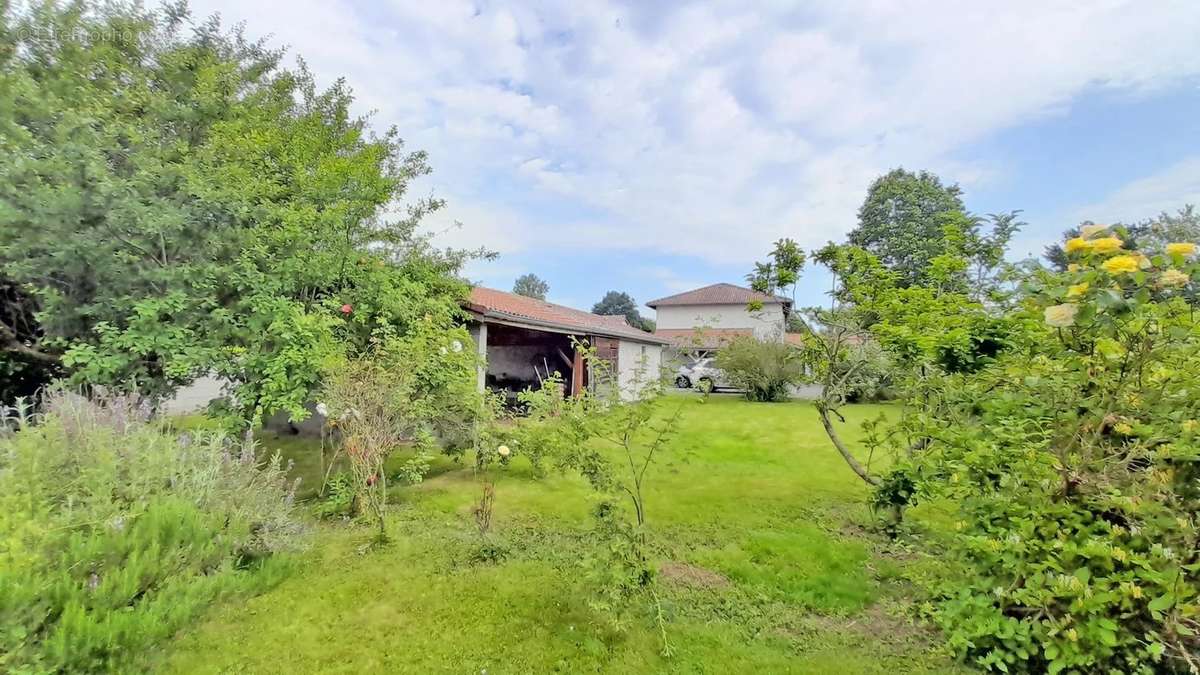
pixel 523 340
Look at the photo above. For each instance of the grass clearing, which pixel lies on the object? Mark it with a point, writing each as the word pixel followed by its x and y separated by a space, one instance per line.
pixel 750 500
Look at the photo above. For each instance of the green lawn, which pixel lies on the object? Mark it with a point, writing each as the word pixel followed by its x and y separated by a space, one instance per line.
pixel 751 492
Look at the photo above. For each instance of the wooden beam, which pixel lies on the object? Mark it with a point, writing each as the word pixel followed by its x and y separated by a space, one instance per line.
pixel 577 373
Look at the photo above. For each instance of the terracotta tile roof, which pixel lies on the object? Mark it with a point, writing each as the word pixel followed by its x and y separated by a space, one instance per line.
pixel 717 294
pixel 702 338
pixel 491 303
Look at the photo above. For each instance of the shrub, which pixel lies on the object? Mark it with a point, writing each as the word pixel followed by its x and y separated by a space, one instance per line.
pixel 1074 461
pixel 113 534
pixel 763 369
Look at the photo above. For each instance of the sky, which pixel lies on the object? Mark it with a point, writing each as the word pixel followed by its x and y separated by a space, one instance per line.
pixel 655 147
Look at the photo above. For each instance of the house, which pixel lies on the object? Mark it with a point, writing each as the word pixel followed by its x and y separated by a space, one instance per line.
pixel 523 340
pixel 700 321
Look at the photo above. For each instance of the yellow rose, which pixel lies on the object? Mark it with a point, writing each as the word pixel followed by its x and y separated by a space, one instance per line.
pixel 1077 289
pixel 1061 316
pixel 1120 264
pixel 1173 277
pixel 1105 245
pixel 1182 248
pixel 1076 244
pixel 1089 231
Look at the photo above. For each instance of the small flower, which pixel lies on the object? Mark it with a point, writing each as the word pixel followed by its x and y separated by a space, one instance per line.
pixel 456 346
pixel 1123 428
pixel 322 410
pixel 1089 231
pixel 1190 425
pixel 1072 634
pixel 1077 289
pixel 1120 264
pixel 1076 244
pixel 1061 316
pixel 503 451
pixel 346 309
pixel 1181 248
pixel 1173 277
pixel 1073 267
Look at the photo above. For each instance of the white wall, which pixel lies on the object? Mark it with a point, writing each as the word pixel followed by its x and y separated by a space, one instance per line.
pixel 638 365
pixel 766 322
pixel 194 397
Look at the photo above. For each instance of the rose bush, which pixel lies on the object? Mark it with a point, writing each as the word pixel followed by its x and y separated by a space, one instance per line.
pixel 1074 462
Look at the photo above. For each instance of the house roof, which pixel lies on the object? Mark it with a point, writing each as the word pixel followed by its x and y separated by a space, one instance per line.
pixel 717 294
pixel 492 304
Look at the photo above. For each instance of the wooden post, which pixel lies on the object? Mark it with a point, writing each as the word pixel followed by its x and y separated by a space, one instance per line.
pixel 577 373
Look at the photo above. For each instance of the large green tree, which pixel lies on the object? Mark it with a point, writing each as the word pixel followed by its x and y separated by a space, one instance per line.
pixel 173 201
pixel 617 303
pixel 531 285
pixel 903 218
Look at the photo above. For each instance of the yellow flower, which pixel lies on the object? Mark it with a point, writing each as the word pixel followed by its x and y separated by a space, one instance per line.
pixel 1089 231
pixel 1119 264
pixel 1061 316
pixel 1076 244
pixel 1073 267
pixel 1123 428
pixel 1077 289
pixel 1183 248
pixel 1173 277
pixel 1072 634
pixel 1105 245
pixel 1190 425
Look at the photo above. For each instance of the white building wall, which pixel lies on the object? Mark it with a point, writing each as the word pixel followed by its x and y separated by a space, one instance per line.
pixel 767 322
pixel 638 365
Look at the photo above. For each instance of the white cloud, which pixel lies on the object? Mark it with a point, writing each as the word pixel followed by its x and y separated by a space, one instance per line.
pixel 710 129
pixel 1167 190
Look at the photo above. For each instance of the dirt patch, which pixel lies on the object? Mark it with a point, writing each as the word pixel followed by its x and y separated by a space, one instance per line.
pixel 693 576
pixel 877 622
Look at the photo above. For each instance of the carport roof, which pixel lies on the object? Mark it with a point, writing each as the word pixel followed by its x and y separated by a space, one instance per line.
pixel 490 303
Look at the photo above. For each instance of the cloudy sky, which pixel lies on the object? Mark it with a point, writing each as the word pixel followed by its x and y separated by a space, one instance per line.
pixel 652 147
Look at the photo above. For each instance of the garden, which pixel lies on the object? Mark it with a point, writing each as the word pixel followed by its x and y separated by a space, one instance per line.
pixel 1001 471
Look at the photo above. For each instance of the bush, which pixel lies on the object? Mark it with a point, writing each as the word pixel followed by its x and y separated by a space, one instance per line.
pixel 1074 459
pixel 115 534
pixel 763 369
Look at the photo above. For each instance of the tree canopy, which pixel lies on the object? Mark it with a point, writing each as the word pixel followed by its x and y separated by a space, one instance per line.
pixel 176 202
pixel 531 286
pixel 617 303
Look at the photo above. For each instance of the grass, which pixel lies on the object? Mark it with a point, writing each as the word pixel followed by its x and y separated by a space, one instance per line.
pixel 750 492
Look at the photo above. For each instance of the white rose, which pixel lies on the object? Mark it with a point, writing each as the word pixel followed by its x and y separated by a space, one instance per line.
pixel 322 410
pixel 1061 316
pixel 503 451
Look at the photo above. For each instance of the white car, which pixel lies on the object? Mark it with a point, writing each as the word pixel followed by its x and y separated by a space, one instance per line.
pixel 701 374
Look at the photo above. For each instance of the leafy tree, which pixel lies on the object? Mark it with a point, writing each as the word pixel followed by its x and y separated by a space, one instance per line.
pixel 531 286
pixel 616 303
pixel 781 272
pixel 175 202
pixel 901 221
pixel 910 219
